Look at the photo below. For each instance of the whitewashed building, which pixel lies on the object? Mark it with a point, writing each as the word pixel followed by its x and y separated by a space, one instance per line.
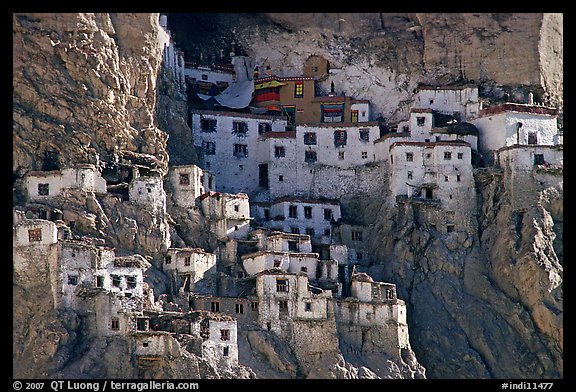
pixel 148 192
pixel 44 185
pixel 514 124
pixel 228 214
pixel 313 217
pixel 172 57
pixel 284 296
pixel 189 182
pixel 295 262
pixel 449 100
pixel 230 147
pixel 277 241
pixel 187 266
pixel 35 232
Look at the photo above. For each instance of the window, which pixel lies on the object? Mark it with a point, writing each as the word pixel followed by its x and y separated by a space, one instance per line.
pixel 225 351
pixel 239 127
pixel 364 154
pixel 460 155
pixel 310 138
pixel 427 140
pixel 43 189
pixel 168 259
pixel 409 156
pixel 215 306
pixel 458 177
pixel 142 324
pixel 308 306
pixel 73 280
pixel 99 281
pixel 391 159
pixel 254 305
pixel 240 150
pixel 295 230
pixel 409 175
pixel 279 151
pixel 332 113
pixel 266 214
pixel 340 155
pixel 116 280
pixel 431 101
pixel 327 232
pixel 539 159
pixel 340 138
pixel 405 129
pixel 310 231
pixel 277 263
pixel 310 156
pixel 308 212
pixel 327 214
pixel 280 178
pixel 447 155
pixel 114 324
pixel 239 308
pixel 209 148
pixel 224 334
pixel 303 269
pixel 293 246
pixel 532 138
pixel 359 255
pixel 314 68
pixel 356 236
pixel 283 305
pixel 299 90
pixel 187 261
pixel 445 178
pixel 293 211
pixel 34 235
pixel 420 121
pixel 208 124
pixel 204 77
pixel 131 282
pixel 449 228
pixel 264 127
pixel 184 179
pixel 281 285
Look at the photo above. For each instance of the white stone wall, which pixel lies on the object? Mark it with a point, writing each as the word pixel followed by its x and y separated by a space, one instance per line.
pixel 123 273
pixel 155 344
pixel 522 158
pixel 447 101
pixel 214 346
pixel 235 173
pixel 185 194
pixel 22 236
pixel 83 177
pixel 201 262
pixel 148 192
pixel 420 132
pixel 363 110
pixel 286 261
pixel 279 242
pixel 296 296
pixel 208 75
pixel 501 129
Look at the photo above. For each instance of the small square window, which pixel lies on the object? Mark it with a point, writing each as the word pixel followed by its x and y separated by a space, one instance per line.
pixel 279 151
pixel 420 121
pixel 445 178
pixel 116 280
pixel 239 308
pixel 254 305
pixel 308 306
pixel 293 211
pixel 224 334
pixel 114 324
pixel 73 280
pixel 34 235
pixel 310 231
pixel 131 282
pixel 187 261
pixel 215 306
pixel 327 232
pixel 308 212
pixel 460 155
pixel 281 285
pixel 409 156
pixel 303 269
pixel 365 135
pixel 310 156
pixel 409 175
pixel 184 179
pixel 364 154
pixel 447 155
pixel 458 177
pixel 43 189
pixel 168 259
pixel 340 155
pixel 356 236
pixel 280 178
pixel 310 138
pixel 283 305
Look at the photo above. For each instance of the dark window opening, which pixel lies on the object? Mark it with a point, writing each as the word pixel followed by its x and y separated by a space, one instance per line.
pixel 308 306
pixel 310 156
pixel 254 305
pixel 327 232
pixel 142 324
pixel 340 138
pixel 208 124
pixel 532 138
pixel 295 230
pixel 131 282
pixel 99 281
pixel 263 175
pixel 365 135
pixel 239 128
pixel 240 150
pixel 458 177
pixel 283 305
pixel 187 261
pixel 280 178
pixel 215 306
pixel 282 285
pixel 116 280
pixel 264 127
pixel 327 214
pixel 225 351
pixel 73 280
pixel 310 231
pixel 224 334
pixel 449 228
pixel 420 121
pixel 43 189
pixel 293 211
pixel 115 324
pixel 266 214
pixel 310 138
pixel 447 155
pixel 460 155
pixel 34 235
pixel 210 148
pixel 279 151
pixel 168 259
pixel 239 308
pixel 293 246
pixel 539 159
pixel 303 269
pixel 409 156
pixel 356 236
pixel 277 263
pixel 184 179
pixel 308 212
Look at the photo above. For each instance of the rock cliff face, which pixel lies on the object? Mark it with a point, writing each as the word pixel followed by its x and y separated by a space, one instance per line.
pixel 482 304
